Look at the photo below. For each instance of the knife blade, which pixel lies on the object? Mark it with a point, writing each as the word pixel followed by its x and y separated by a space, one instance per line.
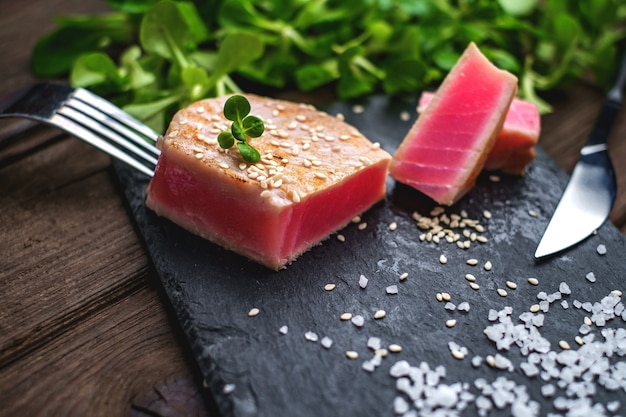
pixel 590 193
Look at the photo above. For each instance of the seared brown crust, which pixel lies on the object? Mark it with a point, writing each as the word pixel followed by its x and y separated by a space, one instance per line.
pixel 302 150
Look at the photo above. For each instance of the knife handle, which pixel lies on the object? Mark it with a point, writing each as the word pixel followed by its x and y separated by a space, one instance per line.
pixel 612 103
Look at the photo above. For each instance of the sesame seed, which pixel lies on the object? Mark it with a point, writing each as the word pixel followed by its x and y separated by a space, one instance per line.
pixel 487 214
pixel 533 213
pixel 362 225
pixel 345 316
pixel 474 286
pixel 494 178
pixel 351 354
pixel 491 361
pixel 501 292
pixel 393 226
pixel 564 345
pixel 295 197
pixel 587 321
pixel 329 287
pixel 450 323
pixel 356 219
pixel 344 137
pixel 395 348
pixel 439 297
pixel 253 312
pixel 199 155
pixel 445 296
pixel 470 277
pixel 243 166
pixel 443 259
pixel 405 116
pixel 380 314
pixel 533 281
pixel 266 193
pixel 382 352
pixel 341 238
pixel 487 266
pixel 472 262
pixel 358 108
pixel 200 109
pixel 301 118
pixel 404 276
pixel 511 285
pixel 481 239
pixel 457 354
pixel 534 308
pixel 579 340
pixel 616 292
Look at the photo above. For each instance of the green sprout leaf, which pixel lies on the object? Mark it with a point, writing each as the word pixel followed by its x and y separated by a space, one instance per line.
pixel 253 126
pixel 226 139
pixel 248 153
pixel 237 109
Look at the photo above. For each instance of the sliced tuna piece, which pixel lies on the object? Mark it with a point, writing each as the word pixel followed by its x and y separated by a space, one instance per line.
pixel 515 145
pixel 447 147
pixel 316 173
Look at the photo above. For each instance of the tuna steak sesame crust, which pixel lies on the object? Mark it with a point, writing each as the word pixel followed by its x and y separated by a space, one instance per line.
pixel 315 174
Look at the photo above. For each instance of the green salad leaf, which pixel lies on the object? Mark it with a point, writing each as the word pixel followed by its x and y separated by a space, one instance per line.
pixel 153 57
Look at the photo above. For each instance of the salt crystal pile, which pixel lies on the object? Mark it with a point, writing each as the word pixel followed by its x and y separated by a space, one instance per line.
pixel 426 393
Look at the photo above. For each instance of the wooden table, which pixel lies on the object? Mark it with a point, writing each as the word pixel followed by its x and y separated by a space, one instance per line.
pixel 83 327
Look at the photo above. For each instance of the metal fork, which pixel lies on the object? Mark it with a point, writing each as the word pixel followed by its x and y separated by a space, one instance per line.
pixel 88 117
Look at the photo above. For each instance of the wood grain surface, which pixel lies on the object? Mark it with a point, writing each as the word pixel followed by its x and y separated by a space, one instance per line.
pixel 83 327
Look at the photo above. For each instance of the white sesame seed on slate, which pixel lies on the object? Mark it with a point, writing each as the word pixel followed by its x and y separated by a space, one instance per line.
pixel 450 323
pixel 358 109
pixel 405 116
pixel 362 226
pixel 329 287
pixel 474 286
pixel 533 281
pixel 457 354
pixel 351 354
pixel 392 289
pixel 511 285
pixel 439 297
pixel 404 276
pixel 488 266
pixel 470 277
pixel 284 329
pixel 564 345
pixel 393 226
pixel 253 312
pixel 443 259
pixel 472 262
pixel 228 389
pixel 601 249
pixel 487 214
pixel 501 292
pixel 395 348
pixel 445 296
pixel 341 238
pixel 345 316
pixel 535 308
pixel 380 314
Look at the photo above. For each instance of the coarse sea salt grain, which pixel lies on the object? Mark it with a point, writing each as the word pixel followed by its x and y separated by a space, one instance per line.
pixel 392 289
pixel 601 249
pixel 358 320
pixel 311 336
pixel 326 342
pixel 283 330
pixel 591 277
pixel 363 281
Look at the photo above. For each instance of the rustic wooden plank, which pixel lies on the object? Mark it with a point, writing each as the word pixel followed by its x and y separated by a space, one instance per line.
pixel 100 367
pixel 69 246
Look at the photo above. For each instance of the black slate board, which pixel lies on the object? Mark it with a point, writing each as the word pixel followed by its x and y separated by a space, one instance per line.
pixel 212 290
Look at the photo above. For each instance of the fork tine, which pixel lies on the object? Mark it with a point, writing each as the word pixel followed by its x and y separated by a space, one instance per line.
pixel 115 112
pixel 104 131
pixel 86 112
pixel 79 131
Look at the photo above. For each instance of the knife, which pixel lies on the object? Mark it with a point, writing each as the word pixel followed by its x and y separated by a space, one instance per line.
pixel 590 193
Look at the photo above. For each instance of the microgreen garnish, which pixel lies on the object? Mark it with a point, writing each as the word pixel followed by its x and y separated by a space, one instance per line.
pixel 237 110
